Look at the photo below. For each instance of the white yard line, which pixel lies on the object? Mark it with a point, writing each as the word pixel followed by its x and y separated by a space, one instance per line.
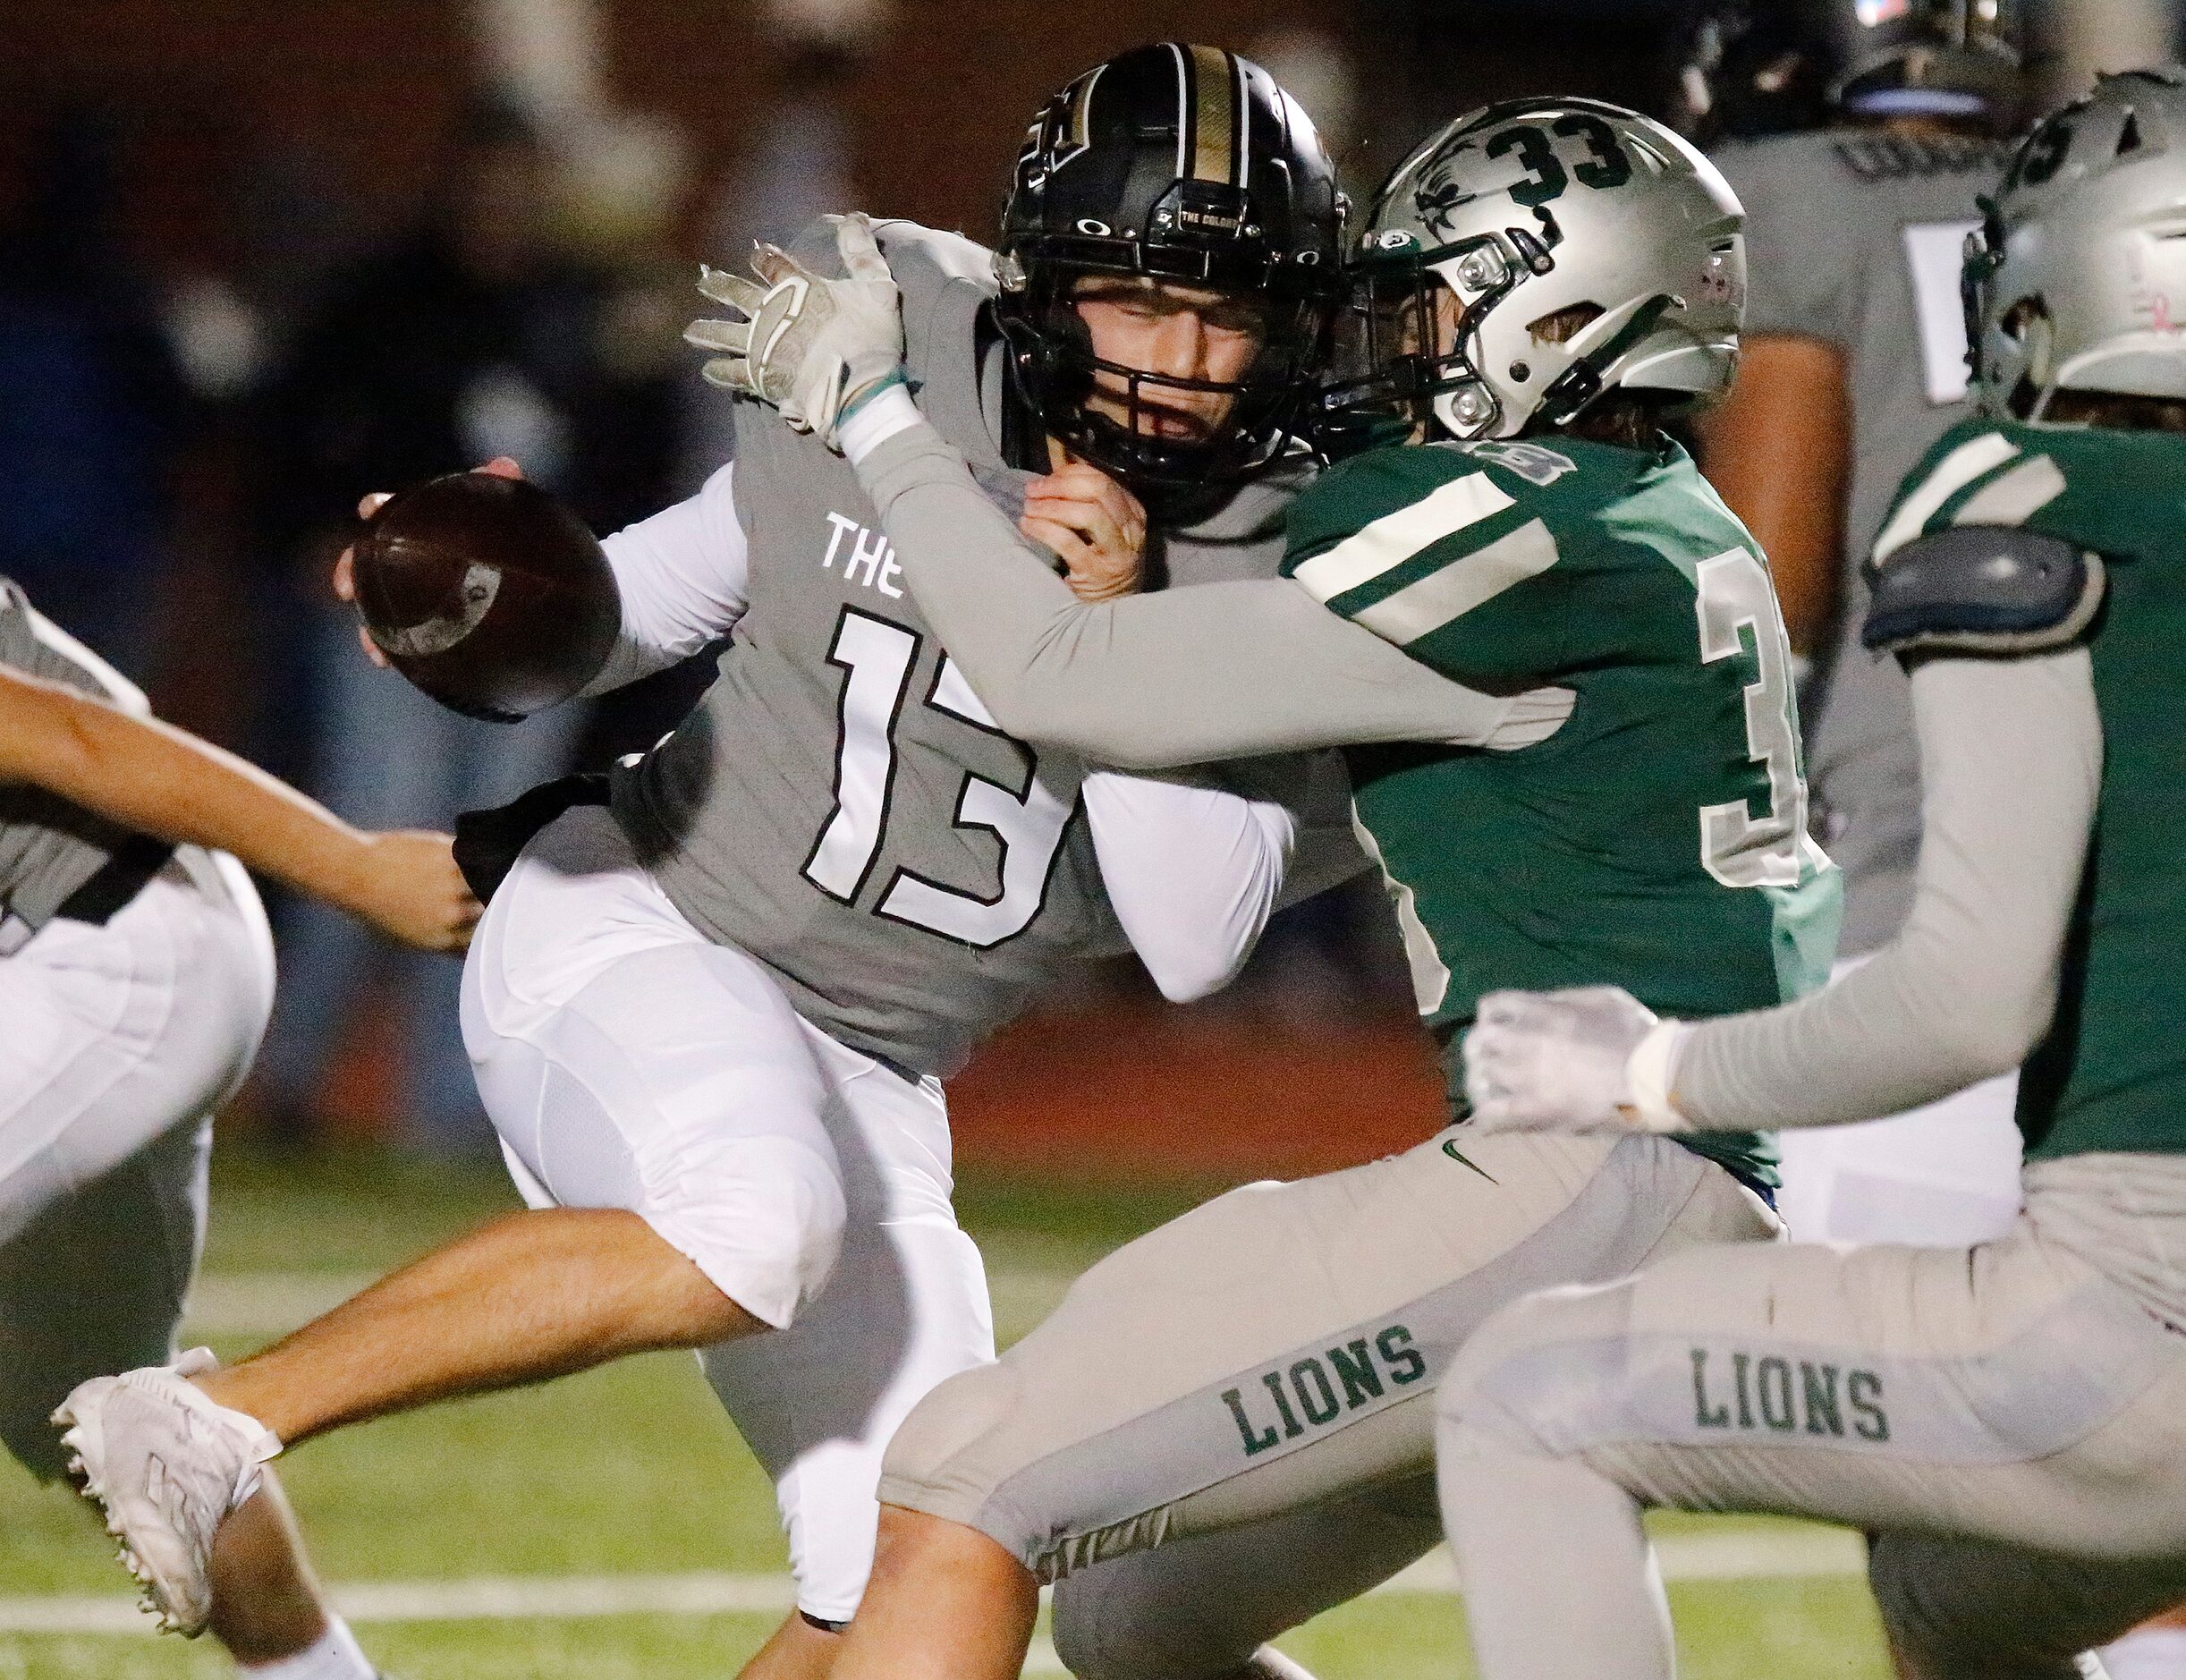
pixel 1768 1555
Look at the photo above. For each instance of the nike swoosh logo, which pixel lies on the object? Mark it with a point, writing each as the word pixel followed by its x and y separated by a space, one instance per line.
pixel 1459 1156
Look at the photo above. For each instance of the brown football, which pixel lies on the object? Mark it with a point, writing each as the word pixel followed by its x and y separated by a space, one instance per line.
pixel 487 593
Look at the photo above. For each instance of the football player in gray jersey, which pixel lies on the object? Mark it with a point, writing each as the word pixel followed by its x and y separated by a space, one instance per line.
pixel 710 1019
pixel 136 972
pixel 1854 364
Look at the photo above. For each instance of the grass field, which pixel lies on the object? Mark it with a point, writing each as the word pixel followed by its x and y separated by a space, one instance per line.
pixel 610 1525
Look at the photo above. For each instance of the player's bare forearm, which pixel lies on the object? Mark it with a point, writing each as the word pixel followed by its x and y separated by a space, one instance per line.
pixel 159 780
pixel 1778 450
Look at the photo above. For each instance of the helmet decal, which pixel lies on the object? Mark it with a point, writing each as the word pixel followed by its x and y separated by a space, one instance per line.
pixel 1214 95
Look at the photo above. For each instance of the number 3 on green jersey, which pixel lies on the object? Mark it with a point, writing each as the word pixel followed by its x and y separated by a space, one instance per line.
pixel 1736 605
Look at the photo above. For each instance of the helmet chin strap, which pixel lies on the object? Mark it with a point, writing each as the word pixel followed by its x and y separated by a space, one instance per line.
pixel 1580 383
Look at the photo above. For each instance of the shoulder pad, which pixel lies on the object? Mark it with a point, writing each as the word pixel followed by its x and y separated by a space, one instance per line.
pixel 1982 589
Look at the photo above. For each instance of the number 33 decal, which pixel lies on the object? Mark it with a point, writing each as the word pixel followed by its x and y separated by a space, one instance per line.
pixel 1605 164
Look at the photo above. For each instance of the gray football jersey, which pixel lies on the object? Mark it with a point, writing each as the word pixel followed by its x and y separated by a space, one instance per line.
pixel 48 846
pixel 1855 237
pixel 840 804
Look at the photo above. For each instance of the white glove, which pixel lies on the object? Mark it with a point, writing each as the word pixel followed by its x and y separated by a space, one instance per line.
pixel 1592 1059
pixel 817 349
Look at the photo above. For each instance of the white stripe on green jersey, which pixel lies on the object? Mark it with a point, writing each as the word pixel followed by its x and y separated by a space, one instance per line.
pixel 1466 583
pixel 1395 539
pixel 2013 498
pixel 1957 469
pixel 1656 840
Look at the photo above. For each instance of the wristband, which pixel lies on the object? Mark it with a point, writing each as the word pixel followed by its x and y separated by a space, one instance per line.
pixel 866 393
pixel 883 409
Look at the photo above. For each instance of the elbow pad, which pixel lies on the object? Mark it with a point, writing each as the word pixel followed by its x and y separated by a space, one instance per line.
pixel 1981 589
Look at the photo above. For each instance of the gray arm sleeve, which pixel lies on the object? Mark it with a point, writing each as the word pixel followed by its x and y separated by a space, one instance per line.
pixel 2010 756
pixel 1217 671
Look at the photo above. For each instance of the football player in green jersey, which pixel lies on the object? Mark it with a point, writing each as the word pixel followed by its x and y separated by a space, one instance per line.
pixel 1618 791
pixel 2009 1419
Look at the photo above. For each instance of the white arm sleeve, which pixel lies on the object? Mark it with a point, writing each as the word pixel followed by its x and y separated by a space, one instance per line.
pixel 684 576
pixel 2012 759
pixel 1194 872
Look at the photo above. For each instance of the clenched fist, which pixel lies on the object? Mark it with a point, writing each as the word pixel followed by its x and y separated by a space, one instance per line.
pixel 406 884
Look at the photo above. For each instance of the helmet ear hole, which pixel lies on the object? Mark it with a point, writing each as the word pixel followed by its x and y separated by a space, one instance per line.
pixel 1563 325
pixel 2019 321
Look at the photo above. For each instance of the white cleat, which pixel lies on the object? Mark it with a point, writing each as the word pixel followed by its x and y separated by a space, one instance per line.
pixel 167 1465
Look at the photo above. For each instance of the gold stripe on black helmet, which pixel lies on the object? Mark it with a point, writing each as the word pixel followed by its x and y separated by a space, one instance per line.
pixel 1212 76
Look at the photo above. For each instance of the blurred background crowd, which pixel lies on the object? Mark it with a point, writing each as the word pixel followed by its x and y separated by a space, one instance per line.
pixel 257 259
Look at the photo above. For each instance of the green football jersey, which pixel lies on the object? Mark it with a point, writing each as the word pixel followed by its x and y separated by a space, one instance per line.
pixel 1658 840
pixel 2111 1075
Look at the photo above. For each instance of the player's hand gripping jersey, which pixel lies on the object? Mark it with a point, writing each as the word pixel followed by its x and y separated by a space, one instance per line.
pixel 2111 1075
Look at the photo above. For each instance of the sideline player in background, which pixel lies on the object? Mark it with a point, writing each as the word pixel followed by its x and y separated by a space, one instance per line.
pixel 1244 1388
pixel 136 973
pixel 2008 1418
pixel 1854 363
pixel 711 1020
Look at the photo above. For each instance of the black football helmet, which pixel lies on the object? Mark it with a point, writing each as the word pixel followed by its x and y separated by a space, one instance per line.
pixel 1754 67
pixel 1173 162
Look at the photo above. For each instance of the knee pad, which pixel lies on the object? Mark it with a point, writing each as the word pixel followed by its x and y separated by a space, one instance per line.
pixel 946 1459
pixel 763 1217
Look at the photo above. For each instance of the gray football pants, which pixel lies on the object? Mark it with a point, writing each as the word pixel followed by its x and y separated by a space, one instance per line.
pixel 2009 1420
pixel 1248 1387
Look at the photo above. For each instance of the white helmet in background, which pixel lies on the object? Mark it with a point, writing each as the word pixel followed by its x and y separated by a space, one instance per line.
pixel 1588 249
pixel 2077 280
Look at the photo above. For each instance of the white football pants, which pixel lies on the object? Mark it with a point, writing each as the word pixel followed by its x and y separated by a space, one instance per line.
pixel 116 1044
pixel 1945 1176
pixel 629 1062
